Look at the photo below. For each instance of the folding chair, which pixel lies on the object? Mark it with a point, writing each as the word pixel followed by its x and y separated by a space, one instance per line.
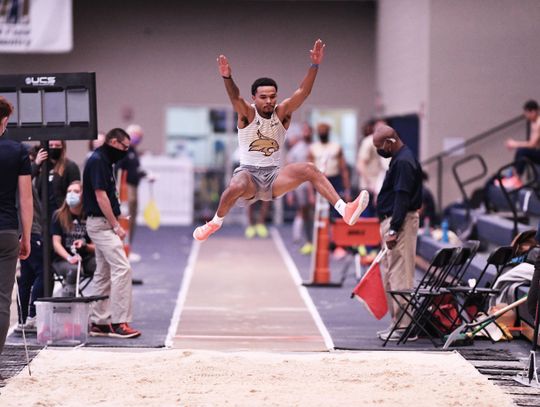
pixel 434 276
pixel 482 288
pixel 432 304
pixel 84 281
pixel 468 252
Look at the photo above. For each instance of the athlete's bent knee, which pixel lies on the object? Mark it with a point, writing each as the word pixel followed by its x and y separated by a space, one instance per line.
pixel 310 171
pixel 237 188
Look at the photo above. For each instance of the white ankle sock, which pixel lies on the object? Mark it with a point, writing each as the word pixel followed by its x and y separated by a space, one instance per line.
pixel 340 206
pixel 217 220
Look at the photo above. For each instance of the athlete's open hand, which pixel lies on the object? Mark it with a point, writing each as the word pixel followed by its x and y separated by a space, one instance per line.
pixel 223 65
pixel 317 52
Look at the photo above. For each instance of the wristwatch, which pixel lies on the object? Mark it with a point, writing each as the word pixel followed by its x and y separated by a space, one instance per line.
pixel 392 232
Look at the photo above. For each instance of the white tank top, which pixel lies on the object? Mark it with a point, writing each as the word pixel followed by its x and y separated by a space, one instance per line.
pixel 261 141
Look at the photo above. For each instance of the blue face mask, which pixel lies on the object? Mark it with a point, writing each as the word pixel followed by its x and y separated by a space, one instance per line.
pixel 73 199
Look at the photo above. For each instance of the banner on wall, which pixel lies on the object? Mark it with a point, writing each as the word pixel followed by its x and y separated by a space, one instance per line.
pixel 36 26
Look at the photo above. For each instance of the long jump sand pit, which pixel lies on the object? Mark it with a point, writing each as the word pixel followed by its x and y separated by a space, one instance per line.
pixel 84 377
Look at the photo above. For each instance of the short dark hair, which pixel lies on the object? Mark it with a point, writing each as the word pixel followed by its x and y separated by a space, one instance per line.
pixel 118 134
pixel 6 108
pixel 530 105
pixel 262 82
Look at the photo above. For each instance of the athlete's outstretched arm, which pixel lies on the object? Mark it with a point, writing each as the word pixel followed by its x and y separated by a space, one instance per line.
pixel 301 94
pixel 239 104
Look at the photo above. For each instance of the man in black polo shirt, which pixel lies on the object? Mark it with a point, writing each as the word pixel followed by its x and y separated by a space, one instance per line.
pixel 15 177
pixel 398 203
pixel 113 272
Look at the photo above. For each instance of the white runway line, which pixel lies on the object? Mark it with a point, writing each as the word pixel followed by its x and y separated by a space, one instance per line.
pixel 296 338
pixel 182 293
pixel 295 274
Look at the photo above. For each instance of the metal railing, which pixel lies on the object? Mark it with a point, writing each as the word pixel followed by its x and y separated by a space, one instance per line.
pixel 438 158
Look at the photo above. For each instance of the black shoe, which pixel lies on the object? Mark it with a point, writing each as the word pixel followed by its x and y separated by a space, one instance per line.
pixel 124 331
pixel 101 330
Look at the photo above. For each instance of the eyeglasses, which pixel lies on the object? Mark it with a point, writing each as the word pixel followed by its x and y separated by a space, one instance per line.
pixel 124 146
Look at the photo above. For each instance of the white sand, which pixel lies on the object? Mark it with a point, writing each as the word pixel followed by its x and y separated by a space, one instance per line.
pixel 84 377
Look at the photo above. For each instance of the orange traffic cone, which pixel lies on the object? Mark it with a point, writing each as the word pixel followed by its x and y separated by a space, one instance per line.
pixel 321 272
pixel 320 260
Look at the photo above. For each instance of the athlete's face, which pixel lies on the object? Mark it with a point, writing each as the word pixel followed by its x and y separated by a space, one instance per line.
pixel 265 99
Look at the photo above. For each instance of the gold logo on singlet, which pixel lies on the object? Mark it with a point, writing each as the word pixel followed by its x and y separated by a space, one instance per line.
pixel 266 145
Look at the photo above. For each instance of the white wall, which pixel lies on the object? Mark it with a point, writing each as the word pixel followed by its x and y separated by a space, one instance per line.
pixel 465 65
pixel 483 63
pixel 148 56
pixel 402 55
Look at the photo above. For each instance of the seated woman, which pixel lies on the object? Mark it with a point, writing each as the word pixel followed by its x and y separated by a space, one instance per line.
pixel 71 243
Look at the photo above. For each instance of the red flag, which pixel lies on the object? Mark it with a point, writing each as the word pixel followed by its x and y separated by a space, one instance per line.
pixel 370 290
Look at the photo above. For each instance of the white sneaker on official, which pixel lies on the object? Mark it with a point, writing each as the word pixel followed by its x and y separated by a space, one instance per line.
pixel 396 336
pixel 384 331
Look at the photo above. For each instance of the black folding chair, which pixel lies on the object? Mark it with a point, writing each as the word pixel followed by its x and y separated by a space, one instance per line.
pixel 435 275
pixel 84 280
pixel 430 314
pixel 468 252
pixel 482 288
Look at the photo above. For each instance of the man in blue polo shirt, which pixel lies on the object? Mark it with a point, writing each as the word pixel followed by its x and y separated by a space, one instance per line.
pixel 398 203
pixel 15 178
pixel 113 272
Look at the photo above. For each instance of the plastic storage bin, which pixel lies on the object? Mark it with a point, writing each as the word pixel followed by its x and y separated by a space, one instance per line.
pixel 62 321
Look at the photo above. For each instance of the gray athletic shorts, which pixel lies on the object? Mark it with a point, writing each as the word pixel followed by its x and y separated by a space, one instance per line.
pixel 263 177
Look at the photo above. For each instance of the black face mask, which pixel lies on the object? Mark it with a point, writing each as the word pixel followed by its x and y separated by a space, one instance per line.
pixel 55 153
pixel 323 138
pixel 383 153
pixel 113 153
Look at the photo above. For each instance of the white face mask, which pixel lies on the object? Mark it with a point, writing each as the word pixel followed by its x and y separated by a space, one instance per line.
pixel 73 199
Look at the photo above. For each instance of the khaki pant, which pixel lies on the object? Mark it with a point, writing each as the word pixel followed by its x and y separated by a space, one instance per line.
pixel 112 276
pixel 398 265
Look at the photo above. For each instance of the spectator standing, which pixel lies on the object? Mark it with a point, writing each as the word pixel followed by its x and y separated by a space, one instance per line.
pixel 303 196
pixel 257 214
pixel 329 155
pixel 400 198
pixel 15 180
pixel 113 272
pixel 62 173
pixel 371 166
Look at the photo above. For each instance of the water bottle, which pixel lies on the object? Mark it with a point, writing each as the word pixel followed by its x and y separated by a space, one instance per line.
pixel 444 228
